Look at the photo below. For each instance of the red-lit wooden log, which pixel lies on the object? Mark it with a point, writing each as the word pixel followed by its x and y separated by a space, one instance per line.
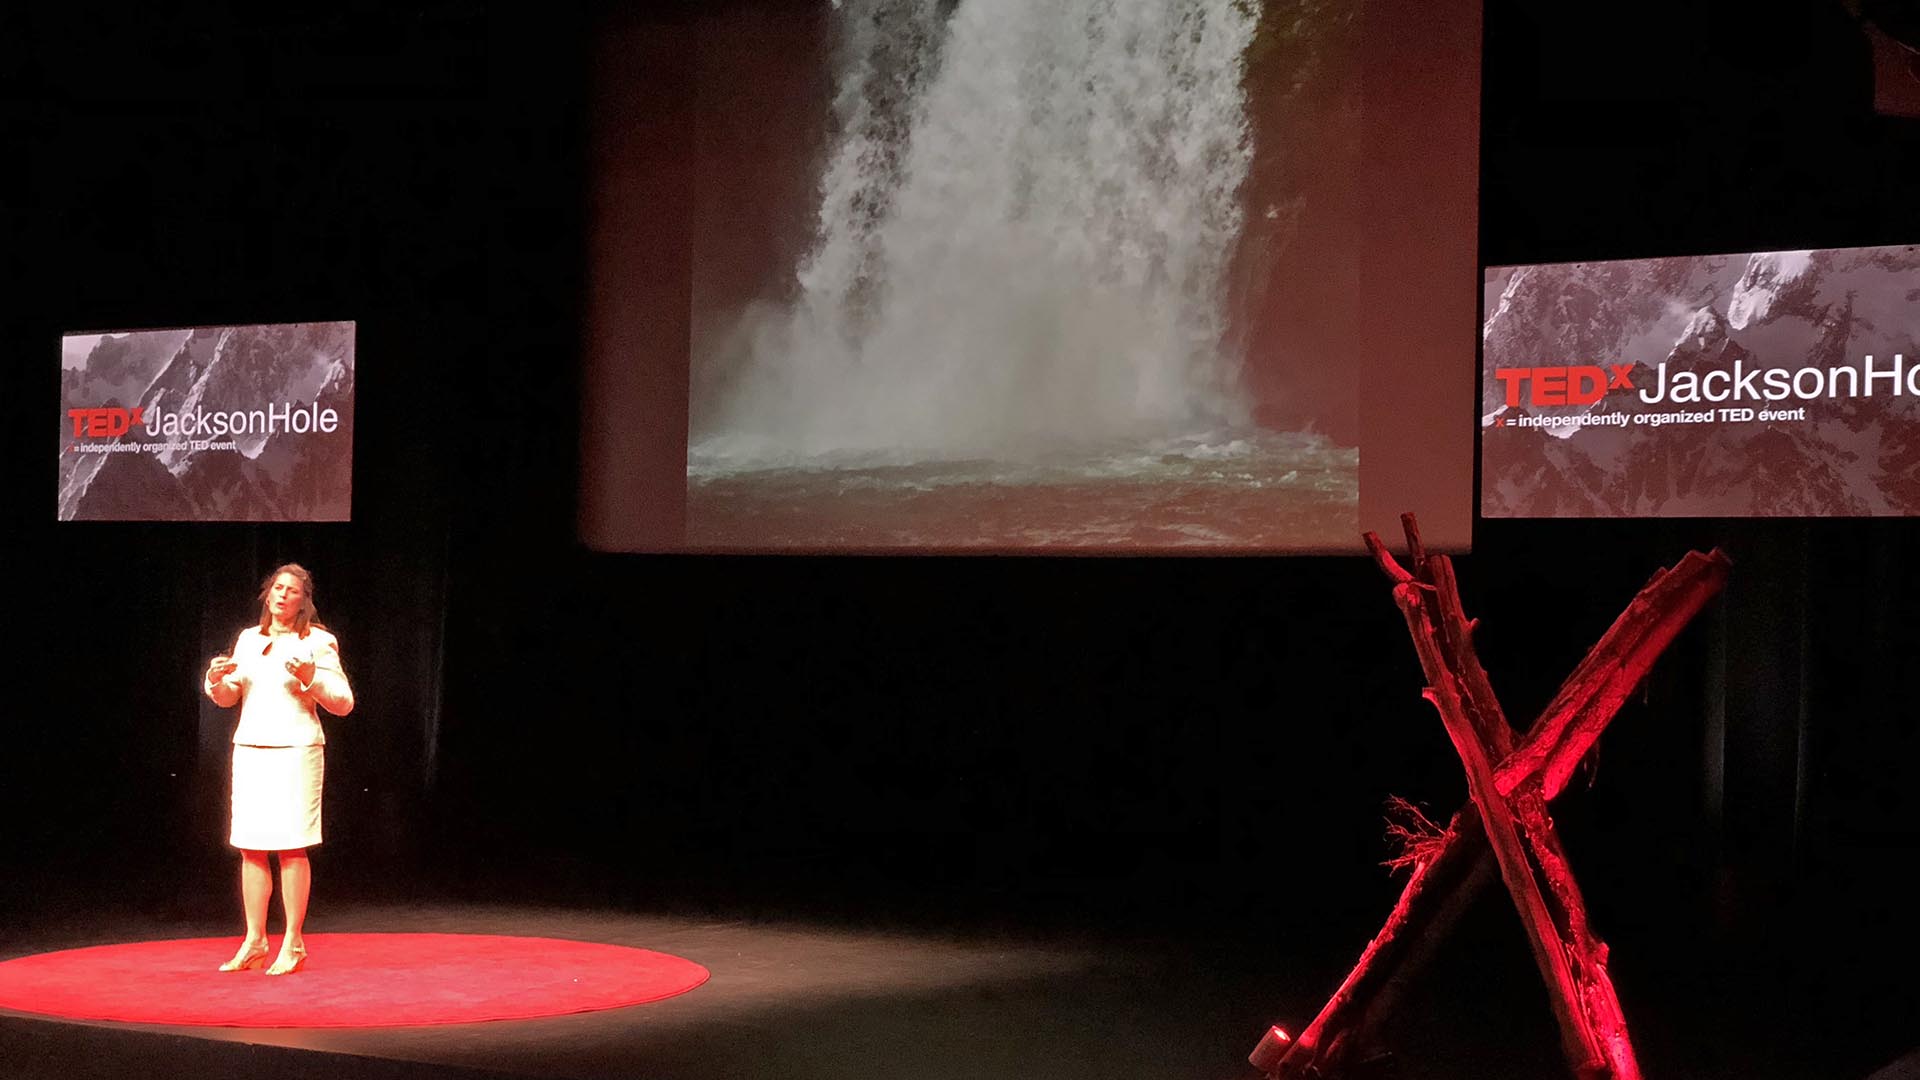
pixel 1422 910
pixel 1606 677
pixel 1586 953
pixel 1449 618
pixel 1599 1004
pixel 1565 732
pixel 1578 1042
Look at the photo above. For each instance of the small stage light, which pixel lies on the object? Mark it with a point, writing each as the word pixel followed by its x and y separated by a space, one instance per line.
pixel 1273 1046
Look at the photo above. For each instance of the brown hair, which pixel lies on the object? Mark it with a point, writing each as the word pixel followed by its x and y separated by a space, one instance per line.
pixel 303 618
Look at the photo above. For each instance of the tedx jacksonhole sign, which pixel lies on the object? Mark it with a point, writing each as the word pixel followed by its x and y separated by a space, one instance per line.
pixel 1781 383
pixel 218 423
pixel 111 422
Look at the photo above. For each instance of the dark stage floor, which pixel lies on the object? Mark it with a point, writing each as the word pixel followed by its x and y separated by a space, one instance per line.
pixel 800 1000
pixel 786 1000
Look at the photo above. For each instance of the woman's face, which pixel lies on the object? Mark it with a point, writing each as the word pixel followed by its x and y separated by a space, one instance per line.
pixel 284 597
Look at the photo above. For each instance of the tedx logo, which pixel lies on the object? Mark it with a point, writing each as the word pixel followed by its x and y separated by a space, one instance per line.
pixel 103 422
pixel 1573 385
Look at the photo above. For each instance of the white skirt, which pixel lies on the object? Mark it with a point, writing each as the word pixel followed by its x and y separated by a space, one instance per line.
pixel 276 796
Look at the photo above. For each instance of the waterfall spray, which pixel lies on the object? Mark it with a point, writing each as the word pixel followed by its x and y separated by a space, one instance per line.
pixel 1024 221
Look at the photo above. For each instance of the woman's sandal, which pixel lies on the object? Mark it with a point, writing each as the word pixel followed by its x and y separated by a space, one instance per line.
pixel 282 966
pixel 247 958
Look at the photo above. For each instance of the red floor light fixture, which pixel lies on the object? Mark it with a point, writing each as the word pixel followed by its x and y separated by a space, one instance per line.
pixel 1273 1046
pixel 1510 781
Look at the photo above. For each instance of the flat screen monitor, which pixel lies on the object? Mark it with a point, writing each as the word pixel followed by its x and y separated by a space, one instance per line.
pixel 208 423
pixel 1759 384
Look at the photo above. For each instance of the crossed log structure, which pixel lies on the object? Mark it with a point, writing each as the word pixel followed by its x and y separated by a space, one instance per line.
pixel 1510 784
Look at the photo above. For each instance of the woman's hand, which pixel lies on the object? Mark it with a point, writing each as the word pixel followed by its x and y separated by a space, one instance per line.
pixel 220 668
pixel 301 669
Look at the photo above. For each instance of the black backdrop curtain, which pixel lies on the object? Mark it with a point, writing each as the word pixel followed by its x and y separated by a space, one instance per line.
pixel 1186 742
pixel 291 166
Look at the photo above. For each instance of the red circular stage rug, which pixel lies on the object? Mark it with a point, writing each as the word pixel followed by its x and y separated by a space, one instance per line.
pixel 350 980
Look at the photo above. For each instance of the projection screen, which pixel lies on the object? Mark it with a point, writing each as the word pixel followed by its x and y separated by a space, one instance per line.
pixel 917 275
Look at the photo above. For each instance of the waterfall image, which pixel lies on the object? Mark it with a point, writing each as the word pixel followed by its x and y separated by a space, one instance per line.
pixel 1011 322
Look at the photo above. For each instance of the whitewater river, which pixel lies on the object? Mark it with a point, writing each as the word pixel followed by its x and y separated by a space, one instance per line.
pixel 1263 491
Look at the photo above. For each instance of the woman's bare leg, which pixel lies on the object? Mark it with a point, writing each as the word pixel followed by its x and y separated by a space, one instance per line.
pixel 256 888
pixel 296 885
